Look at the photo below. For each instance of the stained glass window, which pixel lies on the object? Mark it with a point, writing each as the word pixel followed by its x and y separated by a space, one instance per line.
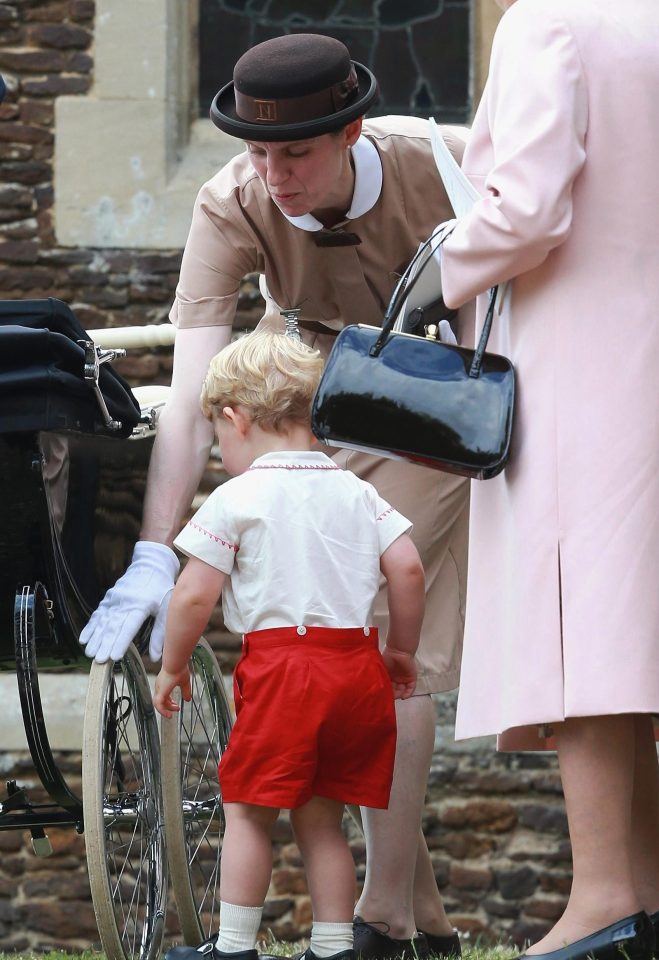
pixel 418 49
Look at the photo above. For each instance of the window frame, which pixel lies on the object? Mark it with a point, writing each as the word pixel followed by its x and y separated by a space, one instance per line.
pixel 131 155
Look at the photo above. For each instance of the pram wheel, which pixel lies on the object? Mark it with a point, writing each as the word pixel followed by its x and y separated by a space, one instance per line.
pixel 192 743
pixel 122 806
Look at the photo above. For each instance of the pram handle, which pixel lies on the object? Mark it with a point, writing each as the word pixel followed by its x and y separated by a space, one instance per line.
pixel 150 335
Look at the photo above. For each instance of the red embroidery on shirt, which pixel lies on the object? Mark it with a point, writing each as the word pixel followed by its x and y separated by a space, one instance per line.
pixel 294 466
pixel 207 533
pixel 384 514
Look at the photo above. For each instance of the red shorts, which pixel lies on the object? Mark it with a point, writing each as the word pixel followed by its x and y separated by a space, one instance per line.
pixel 314 717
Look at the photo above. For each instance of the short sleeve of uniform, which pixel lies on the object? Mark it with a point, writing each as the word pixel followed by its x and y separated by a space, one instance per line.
pixel 218 253
pixel 389 523
pixel 211 534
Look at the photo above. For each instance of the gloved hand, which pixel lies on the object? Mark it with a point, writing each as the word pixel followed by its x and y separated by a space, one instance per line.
pixel 143 591
pixel 446 334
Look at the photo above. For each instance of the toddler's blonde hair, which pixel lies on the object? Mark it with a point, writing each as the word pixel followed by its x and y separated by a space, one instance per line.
pixel 272 376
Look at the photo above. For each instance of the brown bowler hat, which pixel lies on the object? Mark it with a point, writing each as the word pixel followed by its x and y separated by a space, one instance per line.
pixel 293 87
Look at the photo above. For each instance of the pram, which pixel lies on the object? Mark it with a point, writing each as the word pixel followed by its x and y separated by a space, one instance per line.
pixel 74 451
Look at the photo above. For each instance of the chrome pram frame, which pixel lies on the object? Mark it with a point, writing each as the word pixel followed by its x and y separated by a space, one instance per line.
pixel 72 501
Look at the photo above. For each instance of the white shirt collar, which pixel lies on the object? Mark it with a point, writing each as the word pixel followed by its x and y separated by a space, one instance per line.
pixel 294 459
pixel 368 186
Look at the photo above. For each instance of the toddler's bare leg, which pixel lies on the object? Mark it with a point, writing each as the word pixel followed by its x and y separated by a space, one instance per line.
pixel 247 853
pixel 327 859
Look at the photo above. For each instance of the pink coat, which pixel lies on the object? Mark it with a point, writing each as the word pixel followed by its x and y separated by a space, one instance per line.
pixel 563 590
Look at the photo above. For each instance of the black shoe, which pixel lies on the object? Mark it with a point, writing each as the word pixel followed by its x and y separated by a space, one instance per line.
pixel 208 951
pixel 629 939
pixel 443 946
pixel 342 955
pixel 374 944
pixel 308 954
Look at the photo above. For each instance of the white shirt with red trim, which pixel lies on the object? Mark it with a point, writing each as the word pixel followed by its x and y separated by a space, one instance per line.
pixel 300 540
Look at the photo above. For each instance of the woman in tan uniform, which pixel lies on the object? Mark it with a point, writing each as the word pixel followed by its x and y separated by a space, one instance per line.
pixel 329 210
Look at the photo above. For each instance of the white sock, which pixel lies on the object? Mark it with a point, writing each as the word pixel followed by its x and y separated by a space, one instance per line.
pixel 330 938
pixel 238 927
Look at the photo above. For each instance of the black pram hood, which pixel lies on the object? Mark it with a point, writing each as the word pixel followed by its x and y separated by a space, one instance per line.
pixel 42 374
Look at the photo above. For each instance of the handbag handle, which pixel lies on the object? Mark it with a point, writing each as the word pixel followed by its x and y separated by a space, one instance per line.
pixel 402 291
pixel 477 361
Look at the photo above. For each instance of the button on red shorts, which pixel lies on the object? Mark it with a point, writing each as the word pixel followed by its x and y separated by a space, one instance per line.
pixel 314 717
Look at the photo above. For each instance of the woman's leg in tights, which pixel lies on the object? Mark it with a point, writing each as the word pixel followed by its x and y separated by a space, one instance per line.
pixel 400 887
pixel 645 816
pixel 597 758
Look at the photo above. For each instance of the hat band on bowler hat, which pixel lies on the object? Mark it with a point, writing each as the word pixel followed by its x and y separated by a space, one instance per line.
pixel 311 106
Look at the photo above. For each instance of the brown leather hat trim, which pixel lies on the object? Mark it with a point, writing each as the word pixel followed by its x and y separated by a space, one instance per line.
pixel 298 109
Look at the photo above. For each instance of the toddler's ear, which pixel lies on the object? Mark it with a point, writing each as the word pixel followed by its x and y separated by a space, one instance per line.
pixel 238 418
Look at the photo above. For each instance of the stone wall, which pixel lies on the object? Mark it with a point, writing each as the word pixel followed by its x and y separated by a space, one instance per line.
pixel 495 823
pixel 45 51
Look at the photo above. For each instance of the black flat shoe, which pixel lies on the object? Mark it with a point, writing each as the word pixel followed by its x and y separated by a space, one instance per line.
pixel 342 955
pixel 374 944
pixel 208 951
pixel 308 954
pixel 443 946
pixel 628 939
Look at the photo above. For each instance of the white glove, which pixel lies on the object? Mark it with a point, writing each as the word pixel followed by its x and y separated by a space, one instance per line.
pixel 445 332
pixel 143 591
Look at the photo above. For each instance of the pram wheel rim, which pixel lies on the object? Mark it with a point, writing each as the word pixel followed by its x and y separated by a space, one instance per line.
pixel 124 826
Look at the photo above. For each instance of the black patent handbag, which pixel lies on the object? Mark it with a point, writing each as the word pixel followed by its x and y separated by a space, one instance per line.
pixel 413 398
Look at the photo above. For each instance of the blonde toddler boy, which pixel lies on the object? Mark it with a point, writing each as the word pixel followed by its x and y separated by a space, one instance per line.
pixel 295 546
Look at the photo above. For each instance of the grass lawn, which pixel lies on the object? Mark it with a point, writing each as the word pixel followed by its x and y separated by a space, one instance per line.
pixel 468 953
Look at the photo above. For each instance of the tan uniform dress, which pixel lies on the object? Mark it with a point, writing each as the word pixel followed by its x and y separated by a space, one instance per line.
pixel 398 200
